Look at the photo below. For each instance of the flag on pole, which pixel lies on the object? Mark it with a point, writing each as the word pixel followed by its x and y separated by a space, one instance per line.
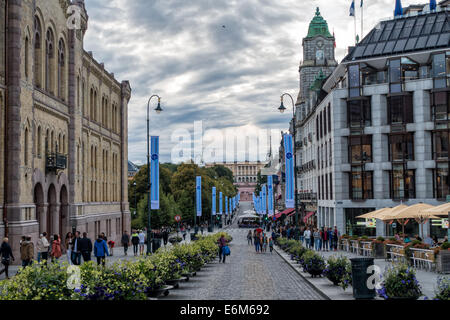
pixel 334 37
pixel 352 9
pixel 213 201
pixel 432 5
pixel 199 196
pixel 220 203
pixel 264 201
pixel 154 172
pixel 362 3
pixel 398 8
pixel 226 205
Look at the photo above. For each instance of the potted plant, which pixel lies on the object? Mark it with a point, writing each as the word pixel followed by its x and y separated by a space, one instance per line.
pixel 399 282
pixel 443 258
pixel 379 249
pixel 442 289
pixel 314 264
pixel 339 271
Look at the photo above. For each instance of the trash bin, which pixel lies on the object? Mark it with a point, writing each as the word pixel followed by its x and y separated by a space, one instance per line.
pixel 156 244
pixel 359 278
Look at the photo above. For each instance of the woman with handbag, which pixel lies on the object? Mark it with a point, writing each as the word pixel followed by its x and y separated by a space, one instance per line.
pixel 6 256
pixel 56 248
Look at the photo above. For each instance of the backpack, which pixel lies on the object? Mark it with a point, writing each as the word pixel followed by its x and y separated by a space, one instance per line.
pixel 226 251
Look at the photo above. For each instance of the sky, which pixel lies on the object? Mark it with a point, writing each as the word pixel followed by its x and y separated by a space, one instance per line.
pixel 220 67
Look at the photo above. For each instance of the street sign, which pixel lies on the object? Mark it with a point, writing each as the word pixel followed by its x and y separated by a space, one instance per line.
pixel 177 218
pixel 394 225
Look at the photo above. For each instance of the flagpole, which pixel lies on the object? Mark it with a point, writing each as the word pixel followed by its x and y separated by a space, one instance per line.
pixel 355 28
pixel 362 20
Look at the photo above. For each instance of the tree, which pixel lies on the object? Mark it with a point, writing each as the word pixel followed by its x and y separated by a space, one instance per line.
pixel 260 180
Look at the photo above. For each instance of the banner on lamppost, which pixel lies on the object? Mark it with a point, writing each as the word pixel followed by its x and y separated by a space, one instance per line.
pixel 270 195
pixel 264 199
pixel 289 164
pixel 213 201
pixel 154 173
pixel 220 203
pixel 231 206
pixel 199 196
pixel 226 205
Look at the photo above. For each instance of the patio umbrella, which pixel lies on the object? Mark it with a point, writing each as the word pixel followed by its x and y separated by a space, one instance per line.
pixel 411 212
pixel 390 215
pixel 441 210
pixel 374 214
pixel 259 230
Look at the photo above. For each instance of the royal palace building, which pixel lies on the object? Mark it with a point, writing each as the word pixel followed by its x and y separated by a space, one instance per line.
pixel 63 126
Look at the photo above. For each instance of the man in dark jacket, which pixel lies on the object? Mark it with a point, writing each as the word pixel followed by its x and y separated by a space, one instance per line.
pixel 165 235
pixel 85 247
pixel 76 253
pixel 125 242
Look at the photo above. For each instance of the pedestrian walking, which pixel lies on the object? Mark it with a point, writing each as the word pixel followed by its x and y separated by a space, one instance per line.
pixel 56 248
pixel 101 250
pixel 256 242
pixel 222 242
pixel 135 242
pixel 141 242
pixel 125 241
pixel 250 237
pixel 202 227
pixel 183 230
pixel 271 245
pixel 86 247
pixel 27 251
pixel 68 245
pixel 316 239
pixel 76 253
pixel 335 238
pixel 325 238
pixel 6 256
pixel 165 235
pixel 307 236
pixel 42 246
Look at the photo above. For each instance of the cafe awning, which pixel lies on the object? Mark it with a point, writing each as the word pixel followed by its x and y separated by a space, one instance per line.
pixel 308 215
pixel 286 212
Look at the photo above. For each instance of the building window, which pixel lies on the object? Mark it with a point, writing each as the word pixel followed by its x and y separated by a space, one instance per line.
pixel 25 147
pixel 331 186
pixel 39 142
pixel 61 70
pixel 37 53
pixel 27 47
pixel 401 147
pixel 440 106
pixel 354 81
pixel 402 182
pixel 440 145
pixel 360 149
pixel 359 113
pixel 400 109
pixel 400 70
pixel 442 180
pixel 441 70
pixel 329 117
pixel 361 184
pixel 50 63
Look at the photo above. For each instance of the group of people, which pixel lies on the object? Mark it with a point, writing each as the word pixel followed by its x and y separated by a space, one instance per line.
pixel 325 238
pixel 77 247
pixel 260 240
pixel 137 239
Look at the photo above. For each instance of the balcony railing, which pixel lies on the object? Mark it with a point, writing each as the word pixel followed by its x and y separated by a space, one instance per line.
pixel 311 196
pixel 56 161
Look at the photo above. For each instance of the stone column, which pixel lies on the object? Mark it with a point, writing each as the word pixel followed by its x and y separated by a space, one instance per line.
pixel 125 98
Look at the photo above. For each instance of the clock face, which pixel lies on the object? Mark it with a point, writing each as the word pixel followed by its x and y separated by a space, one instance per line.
pixel 319 55
pixel 319 44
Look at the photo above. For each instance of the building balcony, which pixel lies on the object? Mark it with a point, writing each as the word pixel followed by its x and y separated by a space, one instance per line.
pixel 55 161
pixel 307 196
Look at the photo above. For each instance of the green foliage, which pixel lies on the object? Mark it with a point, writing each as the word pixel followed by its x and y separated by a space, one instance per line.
pixel 381 239
pixel 260 180
pixel 445 246
pixel 123 280
pixel 443 288
pixel 313 263
pixel 400 282
pixel 339 271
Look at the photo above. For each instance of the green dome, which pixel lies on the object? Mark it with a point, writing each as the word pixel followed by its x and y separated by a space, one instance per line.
pixel 318 27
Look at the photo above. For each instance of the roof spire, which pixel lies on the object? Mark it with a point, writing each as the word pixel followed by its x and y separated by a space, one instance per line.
pixel 318 26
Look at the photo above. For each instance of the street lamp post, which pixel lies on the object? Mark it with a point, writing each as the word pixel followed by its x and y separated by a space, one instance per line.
pixel 135 205
pixel 149 184
pixel 282 109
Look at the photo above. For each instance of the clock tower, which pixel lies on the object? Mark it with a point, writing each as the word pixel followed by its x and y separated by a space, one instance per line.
pixel 318 57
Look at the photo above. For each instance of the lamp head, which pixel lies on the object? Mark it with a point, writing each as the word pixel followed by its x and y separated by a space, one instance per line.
pixel 158 108
pixel 282 108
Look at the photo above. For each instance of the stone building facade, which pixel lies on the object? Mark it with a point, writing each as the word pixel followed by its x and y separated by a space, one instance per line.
pixel 63 127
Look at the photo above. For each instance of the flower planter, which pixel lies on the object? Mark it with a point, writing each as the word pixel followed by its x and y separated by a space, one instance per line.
pixel 379 250
pixel 175 282
pixel 443 261
pixel 403 298
pixel 162 291
pixel 315 272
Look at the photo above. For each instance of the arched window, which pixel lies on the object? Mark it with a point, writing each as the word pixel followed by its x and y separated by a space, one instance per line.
pixel 83 90
pixel 39 139
pixel 25 147
pixel 95 116
pixel 50 62
pixel 52 142
pixel 91 105
pixel 27 48
pixel 37 53
pixel 46 143
pixel 78 92
pixel 61 70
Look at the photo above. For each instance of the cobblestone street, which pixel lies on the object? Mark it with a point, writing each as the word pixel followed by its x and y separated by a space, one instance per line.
pixel 246 275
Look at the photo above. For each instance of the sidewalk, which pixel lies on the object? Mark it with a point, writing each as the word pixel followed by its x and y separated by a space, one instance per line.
pixel 426 279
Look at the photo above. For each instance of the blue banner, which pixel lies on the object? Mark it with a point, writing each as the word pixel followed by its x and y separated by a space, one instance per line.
pixel 154 173
pixel 230 207
pixel 226 205
pixel 220 203
pixel 260 202
pixel 270 195
pixel 264 200
pixel 289 164
pixel 213 201
pixel 198 190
